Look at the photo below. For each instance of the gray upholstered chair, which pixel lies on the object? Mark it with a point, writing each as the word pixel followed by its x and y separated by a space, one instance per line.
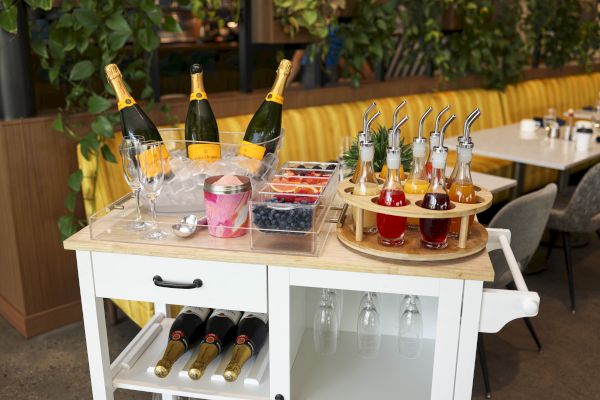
pixel 526 218
pixel 580 214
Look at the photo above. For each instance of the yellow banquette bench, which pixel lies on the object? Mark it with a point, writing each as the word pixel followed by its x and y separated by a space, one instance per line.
pixel 315 133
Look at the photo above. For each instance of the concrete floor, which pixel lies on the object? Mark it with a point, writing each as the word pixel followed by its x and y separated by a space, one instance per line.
pixel 54 366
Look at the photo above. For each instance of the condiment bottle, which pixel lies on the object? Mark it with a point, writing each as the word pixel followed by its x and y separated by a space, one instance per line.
pixel 461 188
pixel 361 138
pixel 417 181
pixel 391 228
pixel 460 140
pixel 434 139
pixel 383 172
pixel 434 231
pixel 366 183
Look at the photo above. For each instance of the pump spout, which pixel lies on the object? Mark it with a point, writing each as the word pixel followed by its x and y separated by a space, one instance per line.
pixel 439 116
pixel 422 121
pixel 444 127
pixel 468 122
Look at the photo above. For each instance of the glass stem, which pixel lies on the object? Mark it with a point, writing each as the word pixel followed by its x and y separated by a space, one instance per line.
pixel 153 210
pixel 137 205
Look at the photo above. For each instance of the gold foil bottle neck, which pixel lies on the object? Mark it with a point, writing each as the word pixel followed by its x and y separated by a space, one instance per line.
pixel 172 353
pixel 285 67
pixel 198 82
pixel 241 354
pixel 112 71
pixel 208 352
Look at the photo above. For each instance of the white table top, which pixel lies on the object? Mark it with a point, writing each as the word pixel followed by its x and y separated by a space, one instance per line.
pixel 492 183
pixel 507 143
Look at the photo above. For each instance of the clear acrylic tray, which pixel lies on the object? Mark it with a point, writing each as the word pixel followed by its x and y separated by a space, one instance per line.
pixel 114 223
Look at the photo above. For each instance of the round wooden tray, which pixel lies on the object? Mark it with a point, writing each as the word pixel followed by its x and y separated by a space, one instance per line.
pixel 413 209
pixel 412 249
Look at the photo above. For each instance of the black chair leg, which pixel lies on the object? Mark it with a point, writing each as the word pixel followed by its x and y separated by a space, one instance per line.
pixel 534 335
pixel 484 366
pixel 568 262
pixel 553 238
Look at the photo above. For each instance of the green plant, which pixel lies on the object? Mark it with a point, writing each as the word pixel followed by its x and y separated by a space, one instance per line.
pixel 368 37
pixel 74 62
pixel 380 143
pixel 8 12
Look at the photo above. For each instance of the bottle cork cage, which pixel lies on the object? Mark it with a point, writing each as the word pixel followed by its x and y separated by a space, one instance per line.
pixel 467 243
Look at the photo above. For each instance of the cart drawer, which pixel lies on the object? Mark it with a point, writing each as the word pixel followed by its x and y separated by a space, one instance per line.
pixel 178 281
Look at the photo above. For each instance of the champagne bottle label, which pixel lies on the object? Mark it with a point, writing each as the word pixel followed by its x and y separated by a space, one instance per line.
pixel 252 150
pixel 232 315
pixel 198 95
pixel 204 151
pixel 275 98
pixel 127 102
pixel 245 339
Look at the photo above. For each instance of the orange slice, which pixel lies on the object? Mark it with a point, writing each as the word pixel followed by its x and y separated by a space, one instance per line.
pixel 281 188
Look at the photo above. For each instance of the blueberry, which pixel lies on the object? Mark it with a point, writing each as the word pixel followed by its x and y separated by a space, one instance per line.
pixel 300 166
pixel 317 167
pixel 331 166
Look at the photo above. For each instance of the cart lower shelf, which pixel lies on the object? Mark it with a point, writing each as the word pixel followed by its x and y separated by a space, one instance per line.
pixel 140 375
pixel 346 375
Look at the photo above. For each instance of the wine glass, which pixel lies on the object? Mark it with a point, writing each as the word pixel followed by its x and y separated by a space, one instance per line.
pixel 130 150
pixel 337 299
pixel 410 333
pixel 151 179
pixel 325 326
pixel 406 300
pixel 368 329
pixel 365 299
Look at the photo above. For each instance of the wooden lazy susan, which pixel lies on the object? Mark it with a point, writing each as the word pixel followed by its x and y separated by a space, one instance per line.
pixel 468 242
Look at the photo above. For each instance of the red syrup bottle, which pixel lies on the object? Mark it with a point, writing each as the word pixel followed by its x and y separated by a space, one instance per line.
pixel 434 141
pixel 391 228
pixel 434 231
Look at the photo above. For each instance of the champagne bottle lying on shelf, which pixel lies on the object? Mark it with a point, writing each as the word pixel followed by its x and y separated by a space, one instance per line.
pixel 200 123
pixel 252 334
pixel 265 125
pixel 220 332
pixel 186 330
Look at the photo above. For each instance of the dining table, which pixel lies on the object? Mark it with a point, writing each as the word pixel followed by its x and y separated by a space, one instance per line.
pixel 534 148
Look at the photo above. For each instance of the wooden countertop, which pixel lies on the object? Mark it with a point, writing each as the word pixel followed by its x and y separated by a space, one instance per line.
pixel 334 256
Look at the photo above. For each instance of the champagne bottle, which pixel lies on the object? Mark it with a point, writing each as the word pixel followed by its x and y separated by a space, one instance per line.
pixel 220 332
pixel 265 125
pixel 200 124
pixel 186 330
pixel 252 334
pixel 134 120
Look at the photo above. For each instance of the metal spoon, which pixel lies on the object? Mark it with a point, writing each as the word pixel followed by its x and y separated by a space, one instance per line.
pixel 187 226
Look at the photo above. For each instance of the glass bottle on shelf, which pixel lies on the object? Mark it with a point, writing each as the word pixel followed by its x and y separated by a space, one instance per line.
pixel 417 181
pixel 434 139
pixel 361 138
pixel 366 183
pixel 434 231
pixel 391 228
pixel 462 189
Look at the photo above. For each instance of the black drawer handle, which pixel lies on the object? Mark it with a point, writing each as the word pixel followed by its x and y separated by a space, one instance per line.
pixel 158 281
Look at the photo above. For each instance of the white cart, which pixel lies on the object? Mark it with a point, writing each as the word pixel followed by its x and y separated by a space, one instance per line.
pixel 455 307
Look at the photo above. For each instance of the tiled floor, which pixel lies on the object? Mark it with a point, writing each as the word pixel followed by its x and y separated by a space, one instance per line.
pixel 54 366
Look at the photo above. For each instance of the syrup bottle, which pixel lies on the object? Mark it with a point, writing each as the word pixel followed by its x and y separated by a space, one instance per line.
pixel 361 138
pixel 391 228
pixel 434 231
pixel 461 187
pixel 366 184
pixel 434 139
pixel 417 181
pixel 460 140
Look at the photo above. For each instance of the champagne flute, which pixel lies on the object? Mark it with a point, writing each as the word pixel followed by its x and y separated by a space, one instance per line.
pixel 406 301
pixel 325 326
pixel 337 299
pixel 410 333
pixel 130 149
pixel 368 329
pixel 365 299
pixel 151 179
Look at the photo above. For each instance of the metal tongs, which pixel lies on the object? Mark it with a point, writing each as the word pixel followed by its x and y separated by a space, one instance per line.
pixel 467 127
pixel 366 132
pixel 394 133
